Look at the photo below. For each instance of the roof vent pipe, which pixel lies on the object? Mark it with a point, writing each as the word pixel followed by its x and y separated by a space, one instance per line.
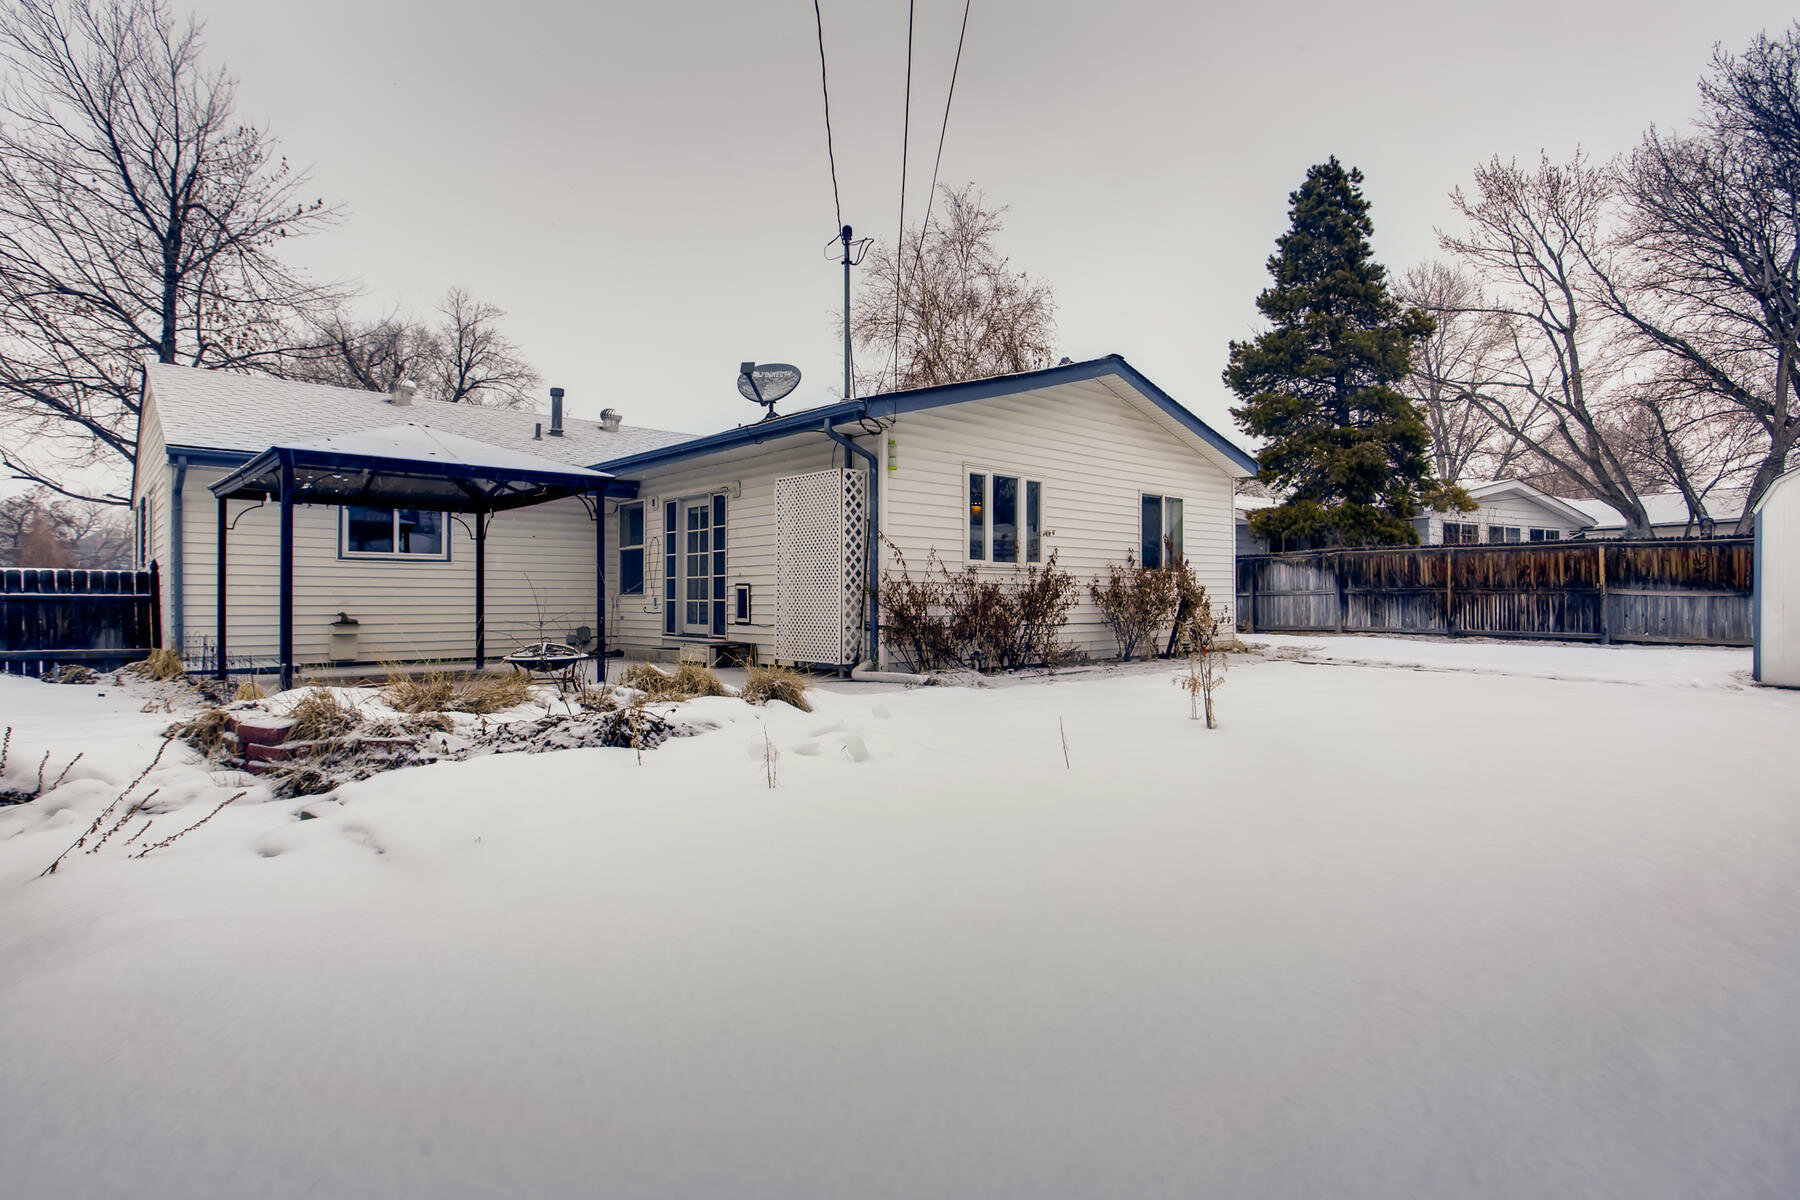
pixel 556 395
pixel 537 434
pixel 609 420
pixel 402 394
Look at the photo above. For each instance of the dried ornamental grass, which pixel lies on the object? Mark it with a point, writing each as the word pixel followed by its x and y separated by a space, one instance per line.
pixel 441 691
pixel 321 714
pixel 776 683
pixel 161 665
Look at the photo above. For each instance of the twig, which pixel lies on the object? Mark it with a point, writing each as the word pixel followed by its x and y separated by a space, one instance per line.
pixel 141 831
pixel 5 746
pixel 136 807
pixel 1060 728
pixel 41 765
pixel 197 824
pixel 66 770
pixel 107 811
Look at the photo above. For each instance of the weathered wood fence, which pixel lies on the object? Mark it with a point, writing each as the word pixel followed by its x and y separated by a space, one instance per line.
pixel 1690 591
pixel 99 619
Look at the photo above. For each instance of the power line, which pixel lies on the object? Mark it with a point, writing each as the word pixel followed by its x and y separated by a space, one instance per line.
pixel 932 194
pixel 825 87
pixel 900 241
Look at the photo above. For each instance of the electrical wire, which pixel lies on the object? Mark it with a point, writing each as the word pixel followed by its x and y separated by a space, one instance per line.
pixel 825 89
pixel 930 196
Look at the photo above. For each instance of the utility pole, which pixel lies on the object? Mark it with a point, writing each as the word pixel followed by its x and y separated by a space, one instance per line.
pixel 853 250
pixel 845 237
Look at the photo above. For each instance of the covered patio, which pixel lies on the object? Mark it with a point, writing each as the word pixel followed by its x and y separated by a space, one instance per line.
pixel 408 466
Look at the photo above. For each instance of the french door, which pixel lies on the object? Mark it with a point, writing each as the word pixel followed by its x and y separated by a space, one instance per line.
pixel 694 567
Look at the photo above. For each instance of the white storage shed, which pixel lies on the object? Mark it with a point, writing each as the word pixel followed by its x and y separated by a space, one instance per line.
pixel 1777 659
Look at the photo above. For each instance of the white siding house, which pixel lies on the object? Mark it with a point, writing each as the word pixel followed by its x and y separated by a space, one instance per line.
pixel 1509 511
pixel 1777 587
pixel 1072 461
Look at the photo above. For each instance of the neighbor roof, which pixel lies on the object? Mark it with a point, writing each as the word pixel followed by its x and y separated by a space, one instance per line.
pixel 1724 506
pixel 1518 487
pixel 895 403
pixel 242 415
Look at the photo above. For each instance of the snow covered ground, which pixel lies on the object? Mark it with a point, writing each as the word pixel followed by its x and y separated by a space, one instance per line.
pixel 1502 927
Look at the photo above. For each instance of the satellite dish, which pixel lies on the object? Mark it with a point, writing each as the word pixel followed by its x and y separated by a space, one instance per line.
pixel 765 383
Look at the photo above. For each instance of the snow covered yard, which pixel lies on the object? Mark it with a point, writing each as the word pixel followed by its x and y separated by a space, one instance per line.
pixel 1504 926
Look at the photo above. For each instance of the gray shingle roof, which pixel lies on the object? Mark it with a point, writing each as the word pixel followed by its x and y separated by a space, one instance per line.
pixel 226 410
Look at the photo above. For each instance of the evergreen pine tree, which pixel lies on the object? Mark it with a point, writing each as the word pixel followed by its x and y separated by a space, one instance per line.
pixel 1349 452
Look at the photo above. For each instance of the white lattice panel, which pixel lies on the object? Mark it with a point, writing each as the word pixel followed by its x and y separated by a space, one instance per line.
pixel 820 526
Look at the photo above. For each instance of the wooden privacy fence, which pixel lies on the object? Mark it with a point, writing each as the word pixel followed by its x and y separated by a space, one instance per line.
pixel 1689 591
pixel 99 619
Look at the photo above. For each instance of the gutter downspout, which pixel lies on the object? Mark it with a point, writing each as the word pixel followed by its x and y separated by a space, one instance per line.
pixel 871 557
pixel 176 609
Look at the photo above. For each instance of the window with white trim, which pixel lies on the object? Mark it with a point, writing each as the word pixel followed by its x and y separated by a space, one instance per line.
pixel 1006 518
pixel 1503 533
pixel 1160 529
pixel 1461 533
pixel 411 533
pixel 631 549
pixel 1546 535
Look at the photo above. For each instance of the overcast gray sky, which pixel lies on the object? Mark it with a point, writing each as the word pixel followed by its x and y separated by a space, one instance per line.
pixel 644 186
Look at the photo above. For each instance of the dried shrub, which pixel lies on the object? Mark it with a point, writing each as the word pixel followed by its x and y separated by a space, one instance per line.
pixel 1201 635
pixel 1014 619
pixel 776 683
pixel 71 673
pixel 491 693
pixel 321 714
pixel 1136 603
pixel 684 683
pixel 913 614
pixel 161 666
pixel 249 690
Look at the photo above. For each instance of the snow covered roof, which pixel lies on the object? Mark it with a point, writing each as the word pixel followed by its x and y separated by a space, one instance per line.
pixel 235 412
pixel 413 442
pixel 1667 508
pixel 1518 487
pixel 408 465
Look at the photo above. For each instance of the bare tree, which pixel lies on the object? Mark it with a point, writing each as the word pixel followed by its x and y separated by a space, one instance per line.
pixel 464 359
pixel 1561 381
pixel 949 306
pixel 478 365
pixel 1714 234
pixel 138 217
pixel 37 529
pixel 373 356
pixel 1454 365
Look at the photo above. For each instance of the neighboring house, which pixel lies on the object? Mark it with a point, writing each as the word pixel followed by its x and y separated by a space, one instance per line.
pixel 757 536
pixel 1776 660
pixel 1669 515
pixel 1509 511
pixel 1247 542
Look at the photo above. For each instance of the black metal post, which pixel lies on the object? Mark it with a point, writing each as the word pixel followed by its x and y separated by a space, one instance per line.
pixel 600 584
pixel 481 523
pixel 219 597
pixel 287 572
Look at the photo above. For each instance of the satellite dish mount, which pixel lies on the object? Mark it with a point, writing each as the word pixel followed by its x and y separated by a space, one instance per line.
pixel 765 383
